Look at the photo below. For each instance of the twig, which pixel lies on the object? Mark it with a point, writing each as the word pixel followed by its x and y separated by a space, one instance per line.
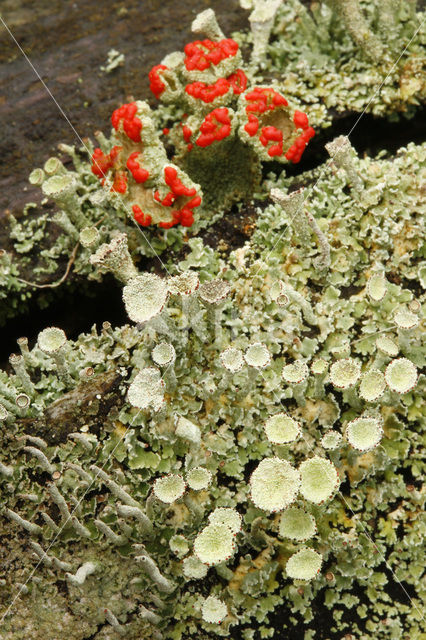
pixel 58 282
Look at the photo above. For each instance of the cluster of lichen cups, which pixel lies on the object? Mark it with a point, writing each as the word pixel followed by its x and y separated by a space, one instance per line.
pixel 173 307
pixel 223 117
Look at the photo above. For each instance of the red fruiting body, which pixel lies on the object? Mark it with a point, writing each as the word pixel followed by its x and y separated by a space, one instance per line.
pixel 195 202
pixel 269 134
pixel 178 188
pixel 297 148
pixel 114 153
pixel 215 126
pixel 208 92
pixel 185 215
pixel 300 119
pixel 102 163
pixel 264 99
pixel 138 173
pixel 120 182
pixel 166 131
pixel 141 218
pixel 172 223
pixel 187 133
pixel 308 133
pixel 156 85
pixel 201 54
pixel 132 126
pixel 252 126
pixel 238 81
pixel 167 201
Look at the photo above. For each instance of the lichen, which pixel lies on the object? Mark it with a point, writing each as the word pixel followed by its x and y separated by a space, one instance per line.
pixel 161 477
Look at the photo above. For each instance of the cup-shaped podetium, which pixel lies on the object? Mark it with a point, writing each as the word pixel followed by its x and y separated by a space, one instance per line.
pixel 145 297
pixel 147 389
pixel 257 356
pixel 198 478
pixel 213 610
pixel 364 433
pixel 401 375
pixel 345 373
pixel 169 488
pixel 281 428
pixel 274 484
pixel 305 564
pixel 228 516
pixel 296 524
pixel 115 257
pixel 319 479
pixel 214 544
pixel 372 385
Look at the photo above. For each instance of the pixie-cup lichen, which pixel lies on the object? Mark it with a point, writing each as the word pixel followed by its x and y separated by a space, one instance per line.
pixel 161 478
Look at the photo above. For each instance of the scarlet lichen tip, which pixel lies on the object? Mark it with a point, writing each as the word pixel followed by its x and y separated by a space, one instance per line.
pixel 187 132
pixel 120 182
pixel 272 134
pixel 252 125
pixel 102 163
pixel 263 99
pixel 201 54
pixel 131 124
pixel 208 92
pixel 183 215
pixel 296 150
pixel 300 119
pixel 156 85
pixel 215 126
pixel 139 174
pixel 261 102
pixel 176 185
pixel 144 219
pixel 238 81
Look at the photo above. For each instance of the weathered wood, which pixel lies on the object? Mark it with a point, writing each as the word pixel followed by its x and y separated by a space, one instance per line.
pixel 87 404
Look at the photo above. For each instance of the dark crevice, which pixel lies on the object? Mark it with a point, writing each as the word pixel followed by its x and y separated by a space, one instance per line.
pixel 75 311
